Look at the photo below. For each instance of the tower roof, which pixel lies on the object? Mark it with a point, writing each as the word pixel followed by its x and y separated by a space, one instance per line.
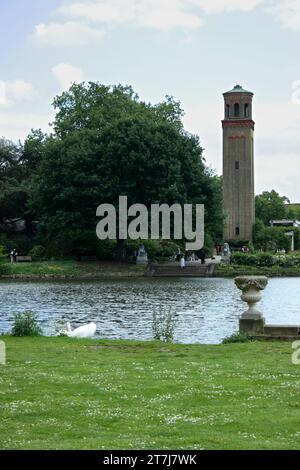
pixel 238 89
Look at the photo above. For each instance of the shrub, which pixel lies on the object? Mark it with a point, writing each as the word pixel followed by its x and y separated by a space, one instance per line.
pixel 251 247
pixel 265 260
pixel 237 244
pixel 25 324
pixel 4 269
pixel 274 238
pixel 208 244
pixel 23 246
pixel 71 244
pixel 163 325
pixel 4 240
pixel 287 261
pixel 156 249
pixel 237 338
pixel 38 253
pixel 3 254
pixel 245 259
pixel 106 249
pixel 168 248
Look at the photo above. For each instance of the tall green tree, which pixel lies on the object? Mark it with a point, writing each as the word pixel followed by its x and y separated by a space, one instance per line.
pixel 270 206
pixel 11 204
pixel 18 165
pixel 107 143
pixel 293 211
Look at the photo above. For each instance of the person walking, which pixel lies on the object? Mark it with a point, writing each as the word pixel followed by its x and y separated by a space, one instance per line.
pixel 182 262
pixel 13 256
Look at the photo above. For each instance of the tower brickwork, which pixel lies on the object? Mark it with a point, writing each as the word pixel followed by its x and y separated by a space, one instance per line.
pixel 238 165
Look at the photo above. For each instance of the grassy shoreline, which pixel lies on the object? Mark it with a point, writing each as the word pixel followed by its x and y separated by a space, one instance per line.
pixel 61 393
pixel 61 270
pixel 73 270
pixel 229 270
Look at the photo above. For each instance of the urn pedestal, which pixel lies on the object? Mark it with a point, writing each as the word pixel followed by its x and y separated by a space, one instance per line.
pixel 251 321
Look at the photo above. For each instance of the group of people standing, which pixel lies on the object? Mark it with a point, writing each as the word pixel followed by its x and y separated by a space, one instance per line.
pixel 190 256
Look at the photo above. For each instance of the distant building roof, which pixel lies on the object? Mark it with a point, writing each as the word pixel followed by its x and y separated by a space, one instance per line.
pixel 285 223
pixel 238 89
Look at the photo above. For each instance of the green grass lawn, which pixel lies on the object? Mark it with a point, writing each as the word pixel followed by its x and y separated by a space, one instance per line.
pixel 60 393
pixel 232 270
pixel 71 268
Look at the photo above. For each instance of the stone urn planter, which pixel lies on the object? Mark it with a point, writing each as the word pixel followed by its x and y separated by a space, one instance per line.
pixel 252 321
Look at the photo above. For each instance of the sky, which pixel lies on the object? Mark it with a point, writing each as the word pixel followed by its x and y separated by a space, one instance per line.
pixel 193 50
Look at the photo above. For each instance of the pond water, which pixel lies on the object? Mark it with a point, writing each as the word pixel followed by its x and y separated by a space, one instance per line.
pixel 207 310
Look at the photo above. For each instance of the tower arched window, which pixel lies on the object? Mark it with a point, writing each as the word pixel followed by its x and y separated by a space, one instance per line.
pixel 247 110
pixel 236 110
pixel 227 110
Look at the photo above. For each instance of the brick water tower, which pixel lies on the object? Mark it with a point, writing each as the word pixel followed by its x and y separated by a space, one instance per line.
pixel 238 165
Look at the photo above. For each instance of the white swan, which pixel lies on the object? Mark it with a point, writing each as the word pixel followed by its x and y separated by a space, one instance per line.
pixel 85 331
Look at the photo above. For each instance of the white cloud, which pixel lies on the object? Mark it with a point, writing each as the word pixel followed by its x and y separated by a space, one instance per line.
pixel 17 125
pixel 165 14
pixel 219 6
pixel 102 11
pixel 2 93
pixel 157 14
pixel 71 33
pixel 16 91
pixel 287 12
pixel 66 74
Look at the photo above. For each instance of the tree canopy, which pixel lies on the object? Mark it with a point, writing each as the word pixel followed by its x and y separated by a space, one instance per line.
pixel 271 206
pixel 107 143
